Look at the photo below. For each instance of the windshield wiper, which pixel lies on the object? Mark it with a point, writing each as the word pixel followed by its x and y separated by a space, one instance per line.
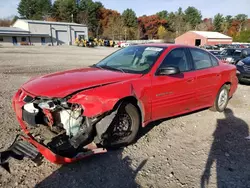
pixel 94 65
pixel 113 68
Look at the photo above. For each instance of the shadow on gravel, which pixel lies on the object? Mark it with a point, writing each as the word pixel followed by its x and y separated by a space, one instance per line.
pixel 230 152
pixel 143 131
pixel 107 170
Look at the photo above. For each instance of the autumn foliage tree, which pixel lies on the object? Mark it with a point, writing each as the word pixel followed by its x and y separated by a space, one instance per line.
pixel 149 26
pixel 5 22
pixel 110 24
pixel 162 32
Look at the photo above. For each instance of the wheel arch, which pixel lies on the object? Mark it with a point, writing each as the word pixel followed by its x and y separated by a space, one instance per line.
pixel 228 84
pixel 134 101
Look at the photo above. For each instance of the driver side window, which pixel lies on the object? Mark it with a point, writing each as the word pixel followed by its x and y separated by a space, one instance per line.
pixel 176 58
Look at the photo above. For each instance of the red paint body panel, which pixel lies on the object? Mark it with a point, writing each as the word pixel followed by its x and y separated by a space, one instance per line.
pixel 176 94
pixel 98 91
pixel 62 84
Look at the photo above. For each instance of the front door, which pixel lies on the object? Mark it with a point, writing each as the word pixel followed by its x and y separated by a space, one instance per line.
pixel 173 95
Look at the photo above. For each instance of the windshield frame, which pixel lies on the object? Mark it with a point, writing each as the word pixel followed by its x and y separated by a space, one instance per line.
pixel 131 71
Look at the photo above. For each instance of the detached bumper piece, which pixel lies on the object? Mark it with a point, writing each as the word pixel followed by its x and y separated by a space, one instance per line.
pixel 19 150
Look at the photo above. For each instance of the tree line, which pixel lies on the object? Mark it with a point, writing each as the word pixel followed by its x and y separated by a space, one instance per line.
pixel 110 24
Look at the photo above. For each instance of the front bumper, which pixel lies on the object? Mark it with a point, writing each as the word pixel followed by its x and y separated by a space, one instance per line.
pixel 18 104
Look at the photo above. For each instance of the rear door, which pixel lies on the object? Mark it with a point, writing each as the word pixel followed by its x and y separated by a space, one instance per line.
pixel 208 76
pixel 174 94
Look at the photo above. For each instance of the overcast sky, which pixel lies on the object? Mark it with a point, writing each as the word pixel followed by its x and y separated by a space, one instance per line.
pixel 208 8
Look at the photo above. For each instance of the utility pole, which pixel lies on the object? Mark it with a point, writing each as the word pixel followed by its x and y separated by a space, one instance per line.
pixel 125 34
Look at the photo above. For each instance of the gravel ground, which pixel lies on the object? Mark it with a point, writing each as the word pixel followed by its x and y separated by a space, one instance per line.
pixel 188 151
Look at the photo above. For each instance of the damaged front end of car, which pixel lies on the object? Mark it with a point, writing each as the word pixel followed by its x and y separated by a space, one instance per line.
pixel 58 129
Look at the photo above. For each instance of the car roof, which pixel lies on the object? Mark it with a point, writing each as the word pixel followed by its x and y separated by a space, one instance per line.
pixel 235 48
pixel 165 45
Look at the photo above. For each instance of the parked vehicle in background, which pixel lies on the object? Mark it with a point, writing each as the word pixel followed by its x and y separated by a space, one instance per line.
pixel 124 44
pixel 243 70
pixel 214 52
pixel 222 46
pixel 210 47
pixel 232 55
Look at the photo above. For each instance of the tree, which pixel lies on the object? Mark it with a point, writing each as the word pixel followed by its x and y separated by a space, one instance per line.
pixel 115 28
pixel 89 13
pixel 242 18
pixel 218 21
pixel 34 9
pixel 107 20
pixel 64 10
pixel 209 24
pixel 5 22
pixel 229 19
pixel 202 27
pixel 44 8
pixel 27 8
pixel 129 18
pixel 163 15
pixel 227 22
pixel 162 32
pixel 233 30
pixel 149 26
pixel 177 23
pixel 193 16
pixel 243 36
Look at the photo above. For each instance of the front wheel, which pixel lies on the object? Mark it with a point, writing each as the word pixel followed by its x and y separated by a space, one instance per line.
pixel 221 100
pixel 124 127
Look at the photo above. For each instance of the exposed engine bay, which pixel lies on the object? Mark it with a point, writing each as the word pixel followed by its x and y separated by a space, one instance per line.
pixel 62 127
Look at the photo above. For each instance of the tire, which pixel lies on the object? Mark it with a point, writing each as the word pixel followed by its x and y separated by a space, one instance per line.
pixel 221 100
pixel 124 127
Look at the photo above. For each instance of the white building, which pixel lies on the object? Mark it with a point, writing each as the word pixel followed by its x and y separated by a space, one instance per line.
pixel 36 32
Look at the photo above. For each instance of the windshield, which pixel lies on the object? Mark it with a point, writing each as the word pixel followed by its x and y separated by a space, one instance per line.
pixel 227 52
pixel 133 59
pixel 237 53
pixel 223 52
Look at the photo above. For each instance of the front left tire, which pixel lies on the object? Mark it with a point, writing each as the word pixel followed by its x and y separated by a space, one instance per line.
pixel 125 126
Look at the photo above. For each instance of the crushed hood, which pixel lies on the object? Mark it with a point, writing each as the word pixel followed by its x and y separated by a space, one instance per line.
pixel 61 84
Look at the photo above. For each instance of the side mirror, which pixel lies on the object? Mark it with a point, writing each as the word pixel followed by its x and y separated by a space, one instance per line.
pixel 168 71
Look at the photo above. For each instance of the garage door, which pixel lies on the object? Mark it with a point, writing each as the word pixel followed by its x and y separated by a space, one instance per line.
pixel 62 37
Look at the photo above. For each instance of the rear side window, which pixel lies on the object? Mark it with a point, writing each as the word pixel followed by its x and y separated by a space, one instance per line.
pixel 215 61
pixel 201 59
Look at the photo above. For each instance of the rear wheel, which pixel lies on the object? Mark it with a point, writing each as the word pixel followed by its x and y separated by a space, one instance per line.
pixel 221 100
pixel 125 126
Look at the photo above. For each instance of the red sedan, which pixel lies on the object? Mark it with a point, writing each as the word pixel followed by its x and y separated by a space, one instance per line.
pixel 73 114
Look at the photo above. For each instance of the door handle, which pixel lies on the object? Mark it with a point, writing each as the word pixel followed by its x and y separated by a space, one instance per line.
pixel 190 80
